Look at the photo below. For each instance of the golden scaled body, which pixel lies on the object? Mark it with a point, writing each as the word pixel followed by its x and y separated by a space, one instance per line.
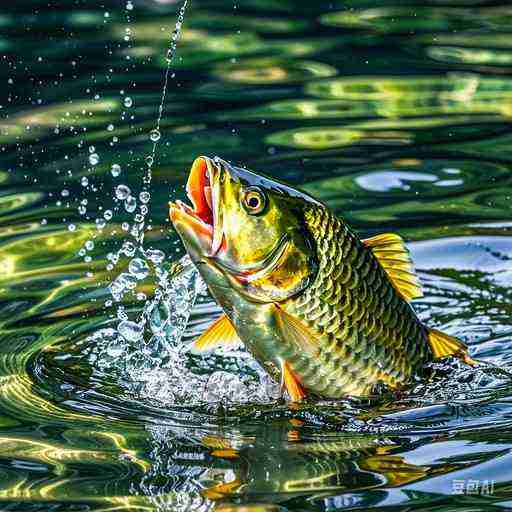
pixel 368 334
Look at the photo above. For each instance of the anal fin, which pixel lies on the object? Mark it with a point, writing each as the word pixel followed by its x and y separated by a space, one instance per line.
pixel 291 383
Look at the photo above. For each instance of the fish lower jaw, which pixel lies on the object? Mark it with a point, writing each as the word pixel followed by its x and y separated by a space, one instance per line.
pixel 191 228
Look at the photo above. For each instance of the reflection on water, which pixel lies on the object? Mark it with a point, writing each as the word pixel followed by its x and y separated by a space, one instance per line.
pixel 397 116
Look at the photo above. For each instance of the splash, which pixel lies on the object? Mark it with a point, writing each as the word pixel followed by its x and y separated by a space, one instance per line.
pixel 145 350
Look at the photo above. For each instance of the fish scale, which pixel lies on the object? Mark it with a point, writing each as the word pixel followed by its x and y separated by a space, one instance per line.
pixel 367 332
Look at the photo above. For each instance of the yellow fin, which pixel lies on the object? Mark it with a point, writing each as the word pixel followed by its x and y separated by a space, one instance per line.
pixel 443 345
pixel 291 383
pixel 296 331
pixel 220 334
pixel 393 255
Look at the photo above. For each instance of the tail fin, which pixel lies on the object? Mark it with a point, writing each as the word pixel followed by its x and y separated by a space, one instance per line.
pixel 443 345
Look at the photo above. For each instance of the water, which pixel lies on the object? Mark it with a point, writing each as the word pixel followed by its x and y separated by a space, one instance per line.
pixel 395 115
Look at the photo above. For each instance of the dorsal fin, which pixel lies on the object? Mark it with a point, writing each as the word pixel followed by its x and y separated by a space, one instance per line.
pixel 220 334
pixel 393 255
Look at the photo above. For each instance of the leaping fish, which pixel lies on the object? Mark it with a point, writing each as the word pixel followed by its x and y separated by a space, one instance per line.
pixel 326 313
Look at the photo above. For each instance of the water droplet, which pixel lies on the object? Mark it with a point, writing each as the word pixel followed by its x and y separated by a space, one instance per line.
pixel 110 127
pixel 71 227
pixel 139 268
pixel 89 245
pixel 129 6
pixel 92 149
pixel 44 222
pixel 84 181
pixel 149 160
pixel 128 248
pixel 130 204
pixel 94 158
pixel 65 193
pixel 125 226
pixel 107 214
pixel 100 223
pixel 128 102
pixel 130 331
pixel 115 170
pixel 155 256
pixel 155 135
pixel 82 210
pixel 122 192
pixel 144 197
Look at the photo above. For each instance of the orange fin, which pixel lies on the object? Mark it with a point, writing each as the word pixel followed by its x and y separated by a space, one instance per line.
pixel 291 383
pixel 393 255
pixel 443 345
pixel 226 453
pixel 220 334
pixel 296 331
pixel 220 491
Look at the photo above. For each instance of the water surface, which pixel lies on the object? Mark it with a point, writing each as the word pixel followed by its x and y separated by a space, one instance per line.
pixel 397 115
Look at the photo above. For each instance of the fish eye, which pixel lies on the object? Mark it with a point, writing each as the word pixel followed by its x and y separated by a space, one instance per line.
pixel 254 200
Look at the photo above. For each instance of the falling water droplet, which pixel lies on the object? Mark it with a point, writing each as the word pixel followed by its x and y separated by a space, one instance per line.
pixel 149 160
pixel 139 268
pixel 155 135
pixel 107 214
pixel 94 158
pixel 155 256
pixel 128 102
pixel 115 170
pixel 130 204
pixel 84 181
pixel 122 192
pixel 144 197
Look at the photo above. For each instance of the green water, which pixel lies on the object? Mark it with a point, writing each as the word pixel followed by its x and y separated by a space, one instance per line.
pixel 396 114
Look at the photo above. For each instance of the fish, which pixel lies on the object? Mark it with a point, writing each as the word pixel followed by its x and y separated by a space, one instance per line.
pixel 326 313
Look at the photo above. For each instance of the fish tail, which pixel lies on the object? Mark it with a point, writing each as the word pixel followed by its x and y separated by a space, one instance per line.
pixel 443 345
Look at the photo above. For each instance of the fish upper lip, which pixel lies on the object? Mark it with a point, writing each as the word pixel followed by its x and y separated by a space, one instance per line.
pixel 202 191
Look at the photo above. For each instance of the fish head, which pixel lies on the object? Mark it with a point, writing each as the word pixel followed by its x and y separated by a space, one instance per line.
pixel 245 231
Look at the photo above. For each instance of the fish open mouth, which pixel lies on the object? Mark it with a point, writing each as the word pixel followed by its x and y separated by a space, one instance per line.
pixel 202 217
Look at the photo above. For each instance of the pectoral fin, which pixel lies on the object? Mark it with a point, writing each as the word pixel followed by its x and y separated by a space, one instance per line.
pixel 443 345
pixel 393 255
pixel 220 334
pixel 291 383
pixel 296 331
